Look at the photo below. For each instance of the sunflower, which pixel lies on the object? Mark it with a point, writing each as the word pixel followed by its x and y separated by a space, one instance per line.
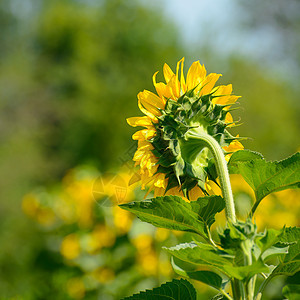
pixel 170 158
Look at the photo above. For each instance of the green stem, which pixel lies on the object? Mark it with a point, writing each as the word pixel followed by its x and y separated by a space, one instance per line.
pixel 262 287
pixel 237 289
pixel 222 170
pixel 226 295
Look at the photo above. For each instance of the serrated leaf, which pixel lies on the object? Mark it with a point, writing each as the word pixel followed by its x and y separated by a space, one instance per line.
pixel 270 238
pixel 291 291
pixel 242 156
pixel 291 261
pixel 287 268
pixel 206 255
pixel 210 278
pixel 172 212
pixel 174 290
pixel 265 177
pixel 291 236
pixel 207 207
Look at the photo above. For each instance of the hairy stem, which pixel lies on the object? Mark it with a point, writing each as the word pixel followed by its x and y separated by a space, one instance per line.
pixel 222 170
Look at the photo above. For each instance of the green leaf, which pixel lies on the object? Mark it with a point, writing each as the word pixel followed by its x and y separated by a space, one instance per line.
pixel 291 291
pixel 265 177
pixel 174 290
pixel 290 264
pixel 291 236
pixel 206 255
pixel 172 212
pixel 207 207
pixel 210 278
pixel 241 156
pixel 266 244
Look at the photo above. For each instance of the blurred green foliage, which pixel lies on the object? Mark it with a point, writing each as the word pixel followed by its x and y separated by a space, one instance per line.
pixel 69 74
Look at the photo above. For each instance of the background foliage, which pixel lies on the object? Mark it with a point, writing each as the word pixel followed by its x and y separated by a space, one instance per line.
pixel 69 74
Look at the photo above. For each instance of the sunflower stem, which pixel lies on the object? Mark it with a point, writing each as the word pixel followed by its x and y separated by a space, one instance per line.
pixel 222 170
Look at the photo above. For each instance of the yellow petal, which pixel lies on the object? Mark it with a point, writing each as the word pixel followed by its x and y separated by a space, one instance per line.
pixel 139 121
pixel 158 192
pixel 224 96
pixel 178 83
pixel 144 145
pixel 144 134
pixel 168 73
pixel 223 90
pixel 161 88
pixel 175 191
pixel 208 84
pixel 232 147
pixel 160 181
pixel 228 119
pixel 174 88
pixel 213 188
pixel 151 102
pixel 195 75
pixel 182 80
pixel 146 112
pixel 195 193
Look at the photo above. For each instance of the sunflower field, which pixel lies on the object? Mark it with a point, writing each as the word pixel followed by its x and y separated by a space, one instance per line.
pixel 149 150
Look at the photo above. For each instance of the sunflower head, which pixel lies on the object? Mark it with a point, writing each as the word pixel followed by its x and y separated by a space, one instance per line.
pixel 170 158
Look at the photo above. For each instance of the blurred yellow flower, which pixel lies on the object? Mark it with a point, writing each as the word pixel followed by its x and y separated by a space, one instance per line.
pixel 165 268
pixel 100 236
pixel 143 242
pixel 122 220
pixel 32 207
pixel 104 275
pixel 81 193
pixel 70 246
pixel 281 208
pixel 148 263
pixel 161 234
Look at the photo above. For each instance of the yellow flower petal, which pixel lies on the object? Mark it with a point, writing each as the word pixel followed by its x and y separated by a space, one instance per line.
pixel 232 147
pixel 158 192
pixel 139 121
pixel 195 193
pixel 208 84
pixel 174 88
pixel 160 181
pixel 182 80
pixel 229 119
pixel 144 134
pixel 168 73
pixel 195 75
pixel 144 145
pixel 161 88
pixel 151 102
